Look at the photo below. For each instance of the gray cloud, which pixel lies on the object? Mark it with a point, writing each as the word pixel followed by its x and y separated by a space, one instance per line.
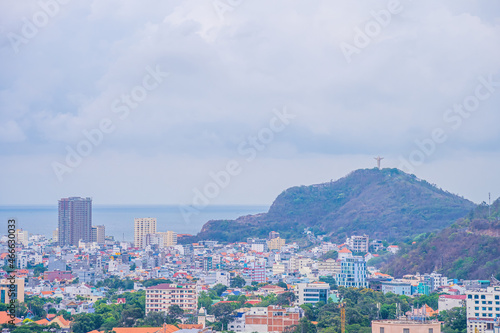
pixel 225 78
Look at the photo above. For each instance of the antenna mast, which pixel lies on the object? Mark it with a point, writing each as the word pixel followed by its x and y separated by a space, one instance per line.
pixel 489 205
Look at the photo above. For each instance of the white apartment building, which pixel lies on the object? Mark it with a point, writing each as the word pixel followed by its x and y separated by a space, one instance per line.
pixel 483 310
pixel 353 273
pixel 329 265
pixel 297 263
pixel 159 298
pixel 311 292
pixel 358 243
pixel 448 302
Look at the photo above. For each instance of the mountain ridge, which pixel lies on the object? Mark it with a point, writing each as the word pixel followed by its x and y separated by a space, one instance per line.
pixel 383 203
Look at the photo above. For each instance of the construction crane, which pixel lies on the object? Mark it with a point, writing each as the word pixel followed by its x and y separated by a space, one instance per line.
pixel 342 317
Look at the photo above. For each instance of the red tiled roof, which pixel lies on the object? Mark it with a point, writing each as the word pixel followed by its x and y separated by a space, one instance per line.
pixel 453 296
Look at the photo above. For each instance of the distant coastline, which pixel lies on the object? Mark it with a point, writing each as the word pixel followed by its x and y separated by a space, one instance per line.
pixel 119 219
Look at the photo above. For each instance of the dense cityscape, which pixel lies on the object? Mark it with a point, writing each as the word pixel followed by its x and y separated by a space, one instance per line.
pixel 249 166
pixel 82 280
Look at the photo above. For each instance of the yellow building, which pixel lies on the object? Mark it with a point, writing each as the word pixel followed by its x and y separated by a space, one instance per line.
pixel 8 287
pixel 276 243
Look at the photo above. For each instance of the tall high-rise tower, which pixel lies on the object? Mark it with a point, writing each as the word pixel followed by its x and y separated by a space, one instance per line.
pixel 75 220
pixel 142 227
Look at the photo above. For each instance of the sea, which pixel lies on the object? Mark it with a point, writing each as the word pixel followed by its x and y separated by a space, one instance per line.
pixel 119 219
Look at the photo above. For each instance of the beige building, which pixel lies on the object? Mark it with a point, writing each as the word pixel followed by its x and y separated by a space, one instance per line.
pixel 169 238
pixel 405 326
pixel 297 263
pixel 98 234
pixel 279 268
pixel 159 298
pixel 55 235
pixel 329 265
pixel 22 237
pixel 7 285
pixel 276 243
pixel 142 227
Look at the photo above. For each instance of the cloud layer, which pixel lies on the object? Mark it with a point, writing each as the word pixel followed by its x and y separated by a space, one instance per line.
pixel 68 66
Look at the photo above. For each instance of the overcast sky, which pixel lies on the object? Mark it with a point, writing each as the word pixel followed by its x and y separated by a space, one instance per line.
pixel 279 93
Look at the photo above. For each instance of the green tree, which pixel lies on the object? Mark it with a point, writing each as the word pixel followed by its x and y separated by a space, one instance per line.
pixel 304 326
pixel 223 313
pixel 455 320
pixel 282 285
pixel 237 282
pixel 83 323
pixel 285 299
pixel 130 316
pixel 155 319
pixel 219 289
pixel 175 312
pixel 204 301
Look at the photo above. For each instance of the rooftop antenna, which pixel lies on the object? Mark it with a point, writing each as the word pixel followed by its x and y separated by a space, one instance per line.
pixel 489 204
pixel 378 159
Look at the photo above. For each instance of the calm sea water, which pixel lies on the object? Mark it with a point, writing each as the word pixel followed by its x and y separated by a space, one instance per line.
pixel 119 220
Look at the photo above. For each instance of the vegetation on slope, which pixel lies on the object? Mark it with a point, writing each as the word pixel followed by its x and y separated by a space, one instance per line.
pixel 469 249
pixel 387 204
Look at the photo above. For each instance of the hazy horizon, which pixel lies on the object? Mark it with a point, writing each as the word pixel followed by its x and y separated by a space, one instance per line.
pixel 187 102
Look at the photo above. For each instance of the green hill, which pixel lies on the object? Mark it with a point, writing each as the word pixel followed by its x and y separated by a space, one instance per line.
pixel 387 204
pixel 469 249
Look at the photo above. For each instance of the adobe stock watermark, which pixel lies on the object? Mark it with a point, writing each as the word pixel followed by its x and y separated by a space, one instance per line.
pixel 249 150
pixel 371 30
pixel 121 107
pixel 221 7
pixel 454 118
pixel 39 20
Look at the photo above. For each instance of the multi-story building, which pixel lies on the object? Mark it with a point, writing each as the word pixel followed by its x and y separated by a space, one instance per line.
pixel 276 243
pixel 153 239
pixel 397 287
pixel 448 302
pixel 273 235
pixel 14 288
pixel 169 238
pixel 98 234
pixel 297 263
pixel 483 310
pixel 159 298
pixel 405 326
pixel 142 227
pixel 55 235
pixel 217 277
pixel 270 319
pixel 75 220
pixel 435 280
pixel 358 243
pixel 353 273
pixel 253 242
pixel 331 266
pixel 280 268
pixel 207 263
pixel 256 271
pixel 311 292
pixel 22 237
